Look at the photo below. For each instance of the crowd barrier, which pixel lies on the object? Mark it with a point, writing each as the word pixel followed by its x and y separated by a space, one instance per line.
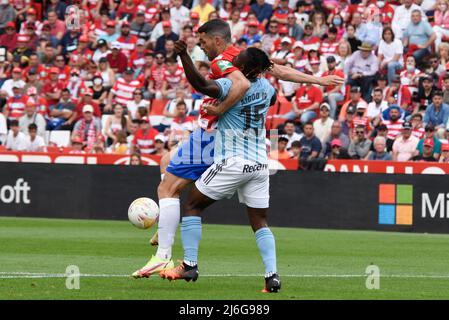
pixel 385 202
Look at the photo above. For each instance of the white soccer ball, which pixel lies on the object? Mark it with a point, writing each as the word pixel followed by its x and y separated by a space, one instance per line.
pixel 143 213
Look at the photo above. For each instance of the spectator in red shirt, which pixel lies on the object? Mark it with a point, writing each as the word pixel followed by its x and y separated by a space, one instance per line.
pixel 333 94
pixel 144 138
pixel 15 105
pixel 126 40
pixel 53 87
pixel 117 60
pixel 57 26
pixel 173 79
pixel 127 10
pixel 399 95
pixel 306 104
pixel 87 99
pixel 9 39
pixel 280 14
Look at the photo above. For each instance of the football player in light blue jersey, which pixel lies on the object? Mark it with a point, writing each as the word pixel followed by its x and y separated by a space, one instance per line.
pixel 240 164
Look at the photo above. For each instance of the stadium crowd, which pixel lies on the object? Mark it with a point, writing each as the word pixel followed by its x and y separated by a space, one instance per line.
pixel 105 72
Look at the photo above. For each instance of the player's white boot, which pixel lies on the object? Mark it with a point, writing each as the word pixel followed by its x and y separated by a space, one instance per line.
pixel 155 265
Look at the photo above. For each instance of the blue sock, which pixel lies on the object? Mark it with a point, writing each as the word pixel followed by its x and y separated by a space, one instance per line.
pixel 191 236
pixel 267 248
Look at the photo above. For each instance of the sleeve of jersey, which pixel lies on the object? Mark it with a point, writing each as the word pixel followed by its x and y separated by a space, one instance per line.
pixel 221 68
pixel 225 85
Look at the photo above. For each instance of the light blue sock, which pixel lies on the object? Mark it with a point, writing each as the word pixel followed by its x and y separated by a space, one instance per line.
pixel 191 236
pixel 267 248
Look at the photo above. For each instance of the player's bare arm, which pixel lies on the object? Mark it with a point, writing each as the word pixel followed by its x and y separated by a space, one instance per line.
pixel 290 74
pixel 239 82
pixel 201 84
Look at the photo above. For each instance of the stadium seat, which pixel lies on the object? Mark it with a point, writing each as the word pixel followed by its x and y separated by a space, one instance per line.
pixel 157 107
pixel 156 120
pixel 53 149
pixel 2 148
pixel 60 138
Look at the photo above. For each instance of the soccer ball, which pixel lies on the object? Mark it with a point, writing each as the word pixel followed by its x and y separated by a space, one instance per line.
pixel 143 213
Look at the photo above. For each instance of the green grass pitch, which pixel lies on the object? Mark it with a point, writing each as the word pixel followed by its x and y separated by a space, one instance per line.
pixel 313 264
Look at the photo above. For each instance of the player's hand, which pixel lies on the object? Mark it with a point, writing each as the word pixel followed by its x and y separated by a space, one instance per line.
pixel 211 108
pixel 332 81
pixel 180 47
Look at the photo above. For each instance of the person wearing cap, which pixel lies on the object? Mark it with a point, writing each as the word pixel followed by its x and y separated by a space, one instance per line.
pixel 23 48
pixel 355 97
pixel 337 151
pixel 444 158
pixel 322 126
pixel 419 36
pixel 437 113
pixel 333 94
pixel 404 146
pixel 282 55
pixel 429 133
pixel 428 154
pixel 137 58
pixel 53 87
pixel 263 11
pixel 117 60
pixel 144 138
pixel 111 35
pixel 14 81
pixel 253 34
pixel 280 13
pixel 336 132
pixel 88 128
pixel 9 38
pixel 204 8
pixel 361 68
pixel 139 27
pixel 168 34
pixel 102 51
pixel 360 118
pixel 158 29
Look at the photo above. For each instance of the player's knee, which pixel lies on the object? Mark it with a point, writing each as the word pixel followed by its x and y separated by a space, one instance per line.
pixel 166 190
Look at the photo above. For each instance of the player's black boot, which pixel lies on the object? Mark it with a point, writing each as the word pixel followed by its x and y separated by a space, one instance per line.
pixel 272 283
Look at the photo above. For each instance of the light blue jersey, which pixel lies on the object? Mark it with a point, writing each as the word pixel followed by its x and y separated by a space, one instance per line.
pixel 241 130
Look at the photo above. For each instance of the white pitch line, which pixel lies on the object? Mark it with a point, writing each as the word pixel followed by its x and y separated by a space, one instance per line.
pixel 35 275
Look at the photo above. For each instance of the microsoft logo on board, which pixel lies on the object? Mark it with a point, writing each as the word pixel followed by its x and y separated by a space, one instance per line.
pixel 396 204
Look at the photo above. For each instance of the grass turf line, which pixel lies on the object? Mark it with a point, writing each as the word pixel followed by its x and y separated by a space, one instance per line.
pixel 307 257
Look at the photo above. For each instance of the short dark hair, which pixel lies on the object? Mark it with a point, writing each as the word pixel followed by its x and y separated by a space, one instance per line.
pixel 295 144
pixel 14 123
pixel 218 28
pixel 258 62
pixel 438 93
pixel 417 115
pixel 170 60
pixel 377 89
pixel 282 139
pixel 32 126
pixel 310 123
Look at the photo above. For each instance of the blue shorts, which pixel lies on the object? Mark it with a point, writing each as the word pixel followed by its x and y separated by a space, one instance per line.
pixel 194 156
